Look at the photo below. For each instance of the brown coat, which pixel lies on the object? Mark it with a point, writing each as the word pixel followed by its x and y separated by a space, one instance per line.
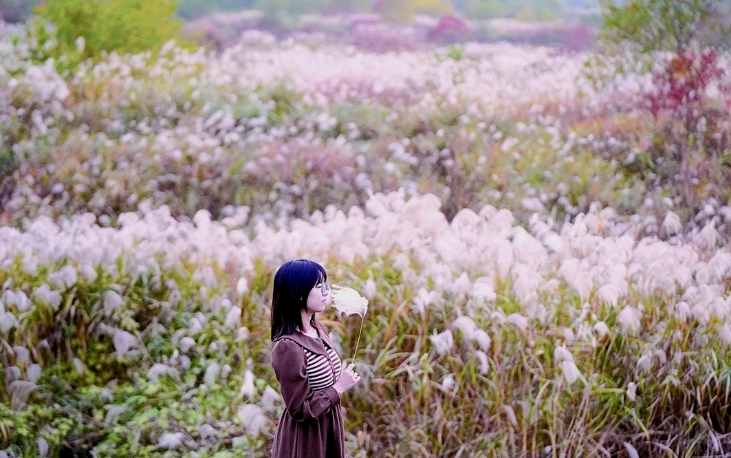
pixel 312 423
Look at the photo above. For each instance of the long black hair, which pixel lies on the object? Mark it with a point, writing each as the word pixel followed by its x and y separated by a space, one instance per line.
pixel 292 284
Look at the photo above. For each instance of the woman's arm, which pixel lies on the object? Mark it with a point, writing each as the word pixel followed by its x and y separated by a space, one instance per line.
pixel 288 361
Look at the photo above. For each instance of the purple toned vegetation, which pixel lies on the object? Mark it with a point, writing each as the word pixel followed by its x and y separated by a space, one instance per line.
pixel 450 29
pixel 577 37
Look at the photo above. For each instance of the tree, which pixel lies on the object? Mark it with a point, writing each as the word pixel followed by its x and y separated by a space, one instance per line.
pixel 107 25
pixel 667 25
pixel 686 151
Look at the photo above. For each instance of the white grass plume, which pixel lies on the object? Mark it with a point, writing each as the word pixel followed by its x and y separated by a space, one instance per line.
pixel 671 224
pixel 348 301
pixel 160 370
pixel 169 441
pixel 123 341
pixel 270 399
pixel 253 418
pixel 248 388
pixel 630 318
pixel 443 342
pixel 20 391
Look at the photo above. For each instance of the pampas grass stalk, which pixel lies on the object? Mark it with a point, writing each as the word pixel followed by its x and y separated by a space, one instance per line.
pixel 348 301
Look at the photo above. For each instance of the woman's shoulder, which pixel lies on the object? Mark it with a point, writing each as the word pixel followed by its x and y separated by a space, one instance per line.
pixel 300 340
pixel 284 342
pixel 286 352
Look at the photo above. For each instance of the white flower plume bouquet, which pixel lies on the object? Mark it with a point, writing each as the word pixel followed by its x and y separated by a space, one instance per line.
pixel 348 301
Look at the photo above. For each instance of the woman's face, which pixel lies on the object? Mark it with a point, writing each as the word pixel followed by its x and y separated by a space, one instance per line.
pixel 318 297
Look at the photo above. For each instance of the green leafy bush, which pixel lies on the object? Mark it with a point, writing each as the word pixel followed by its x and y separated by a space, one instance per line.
pixel 71 31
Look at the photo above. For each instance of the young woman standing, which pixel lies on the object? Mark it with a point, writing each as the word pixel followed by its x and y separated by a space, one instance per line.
pixel 306 365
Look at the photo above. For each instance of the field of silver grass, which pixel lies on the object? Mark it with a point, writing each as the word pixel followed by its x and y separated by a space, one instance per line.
pixel 516 308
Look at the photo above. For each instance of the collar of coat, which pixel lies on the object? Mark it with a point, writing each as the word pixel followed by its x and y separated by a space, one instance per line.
pixel 311 343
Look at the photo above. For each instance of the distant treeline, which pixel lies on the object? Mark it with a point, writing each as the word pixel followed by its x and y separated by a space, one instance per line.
pixel 20 10
pixel 478 9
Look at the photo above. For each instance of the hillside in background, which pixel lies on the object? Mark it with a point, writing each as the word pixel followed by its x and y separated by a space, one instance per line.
pixel 20 10
pixel 217 24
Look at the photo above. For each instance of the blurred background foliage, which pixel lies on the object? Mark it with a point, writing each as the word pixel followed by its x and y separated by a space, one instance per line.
pixel 20 10
pixel 71 31
pixel 667 25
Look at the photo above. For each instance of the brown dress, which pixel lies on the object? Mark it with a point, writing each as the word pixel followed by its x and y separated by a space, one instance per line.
pixel 312 424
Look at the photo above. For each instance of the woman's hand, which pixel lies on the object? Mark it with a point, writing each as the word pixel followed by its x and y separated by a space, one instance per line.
pixel 348 379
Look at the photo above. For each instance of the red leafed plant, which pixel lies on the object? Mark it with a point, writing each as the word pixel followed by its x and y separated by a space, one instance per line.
pixel 680 87
pixel 689 102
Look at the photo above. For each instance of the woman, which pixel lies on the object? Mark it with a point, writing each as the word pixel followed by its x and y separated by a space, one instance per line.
pixel 306 365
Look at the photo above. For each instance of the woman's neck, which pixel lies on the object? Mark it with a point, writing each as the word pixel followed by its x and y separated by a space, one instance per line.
pixel 307 320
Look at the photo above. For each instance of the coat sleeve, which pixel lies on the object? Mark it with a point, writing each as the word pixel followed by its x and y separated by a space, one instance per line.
pixel 288 361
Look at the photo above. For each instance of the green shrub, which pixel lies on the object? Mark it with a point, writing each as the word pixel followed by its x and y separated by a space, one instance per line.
pixel 71 31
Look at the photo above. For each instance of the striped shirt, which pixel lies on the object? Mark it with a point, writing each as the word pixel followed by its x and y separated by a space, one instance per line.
pixel 322 372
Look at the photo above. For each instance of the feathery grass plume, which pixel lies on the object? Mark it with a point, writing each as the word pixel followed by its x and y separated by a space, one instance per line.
pixel 207 431
pixel 113 414
pixel 270 399
pixel 253 418
pixel 34 373
pixel 248 388
pixel 112 301
pixel 20 391
pixel 16 298
pixel 443 342
pixel 609 294
pixel 159 370
pixel 185 344
pixel 42 446
pixel 601 328
pixel 708 236
pixel 211 374
pixel 78 365
pixel 169 441
pixel 7 322
pixel 671 224
pixel 630 318
pixel 64 278
pixel 484 366
pixel 565 360
pixel 466 325
pixel 21 354
pixel 631 450
pixel 123 341
pixel 50 297
pixel 570 371
pixel 233 318
pixel 348 301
